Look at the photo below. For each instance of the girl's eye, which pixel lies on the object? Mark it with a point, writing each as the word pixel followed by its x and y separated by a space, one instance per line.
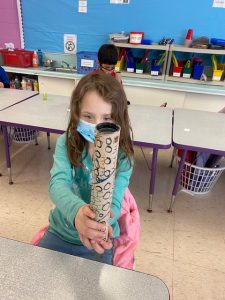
pixel 88 117
pixel 108 119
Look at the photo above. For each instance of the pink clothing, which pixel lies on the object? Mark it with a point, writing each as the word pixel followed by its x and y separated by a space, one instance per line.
pixel 125 245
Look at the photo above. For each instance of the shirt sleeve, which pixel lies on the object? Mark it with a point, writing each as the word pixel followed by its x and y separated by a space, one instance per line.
pixel 4 77
pixel 121 183
pixel 60 186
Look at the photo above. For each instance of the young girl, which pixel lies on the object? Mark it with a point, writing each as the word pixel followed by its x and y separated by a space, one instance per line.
pixel 72 229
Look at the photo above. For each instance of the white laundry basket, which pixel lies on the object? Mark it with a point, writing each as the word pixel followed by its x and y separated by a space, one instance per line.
pixel 24 135
pixel 199 180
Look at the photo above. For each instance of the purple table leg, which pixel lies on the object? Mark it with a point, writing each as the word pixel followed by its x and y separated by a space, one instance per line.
pixel 48 138
pixel 7 153
pixel 152 180
pixel 177 180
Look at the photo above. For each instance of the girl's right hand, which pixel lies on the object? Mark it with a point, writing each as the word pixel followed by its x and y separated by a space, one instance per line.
pixel 87 226
pixel 91 232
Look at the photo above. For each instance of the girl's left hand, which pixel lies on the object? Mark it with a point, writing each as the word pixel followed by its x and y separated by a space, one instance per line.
pixel 1 85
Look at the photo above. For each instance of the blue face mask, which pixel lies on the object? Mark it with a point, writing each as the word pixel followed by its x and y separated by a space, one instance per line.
pixel 87 130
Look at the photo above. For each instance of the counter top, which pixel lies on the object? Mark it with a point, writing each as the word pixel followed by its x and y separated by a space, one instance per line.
pixel 131 81
pixel 30 272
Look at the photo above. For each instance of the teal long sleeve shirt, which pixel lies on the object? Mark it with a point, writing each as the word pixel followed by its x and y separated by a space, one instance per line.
pixel 70 188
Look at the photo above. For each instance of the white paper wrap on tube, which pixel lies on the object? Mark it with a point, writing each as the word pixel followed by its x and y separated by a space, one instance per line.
pixel 104 167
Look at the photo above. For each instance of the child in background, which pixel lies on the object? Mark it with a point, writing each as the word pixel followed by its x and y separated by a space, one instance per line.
pixel 72 229
pixel 107 59
pixel 4 79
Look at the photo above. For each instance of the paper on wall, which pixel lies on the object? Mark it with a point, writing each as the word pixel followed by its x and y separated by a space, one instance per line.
pixel 82 6
pixel 219 3
pixel 119 1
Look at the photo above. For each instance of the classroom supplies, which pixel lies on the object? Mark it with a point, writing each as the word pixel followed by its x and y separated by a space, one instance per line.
pixel 136 37
pixel 17 58
pixel 106 147
pixel 35 60
pixel 87 62
pixel 189 37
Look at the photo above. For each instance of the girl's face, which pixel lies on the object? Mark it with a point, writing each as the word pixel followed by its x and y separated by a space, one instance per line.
pixel 94 109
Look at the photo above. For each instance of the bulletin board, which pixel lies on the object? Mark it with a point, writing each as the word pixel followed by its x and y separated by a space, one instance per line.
pixel 46 22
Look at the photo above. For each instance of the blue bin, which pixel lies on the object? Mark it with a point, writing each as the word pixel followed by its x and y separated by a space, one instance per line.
pixel 155 70
pixel 87 62
pixel 198 70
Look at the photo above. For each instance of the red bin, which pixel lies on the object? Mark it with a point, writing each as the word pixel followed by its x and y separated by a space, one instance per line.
pixel 17 58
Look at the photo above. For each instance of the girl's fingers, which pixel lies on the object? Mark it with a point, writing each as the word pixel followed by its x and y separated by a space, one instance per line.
pixel 96 225
pixel 86 242
pixel 106 244
pixel 110 231
pixel 97 247
pixel 95 234
pixel 88 212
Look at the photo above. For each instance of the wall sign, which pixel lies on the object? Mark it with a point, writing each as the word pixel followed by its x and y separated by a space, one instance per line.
pixel 70 43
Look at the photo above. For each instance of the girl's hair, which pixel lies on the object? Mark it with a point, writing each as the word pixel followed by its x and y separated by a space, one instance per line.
pixel 112 92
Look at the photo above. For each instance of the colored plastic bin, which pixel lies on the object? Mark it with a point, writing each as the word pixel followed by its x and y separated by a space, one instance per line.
pixel 17 58
pixel 217 74
pixel 139 68
pixel 198 70
pixel 87 62
pixel 155 70
pixel 177 71
pixel 187 72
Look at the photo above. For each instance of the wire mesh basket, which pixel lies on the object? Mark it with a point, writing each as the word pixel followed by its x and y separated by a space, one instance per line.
pixel 199 180
pixel 24 135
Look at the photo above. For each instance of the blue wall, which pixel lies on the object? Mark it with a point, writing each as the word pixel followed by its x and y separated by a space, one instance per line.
pixel 45 22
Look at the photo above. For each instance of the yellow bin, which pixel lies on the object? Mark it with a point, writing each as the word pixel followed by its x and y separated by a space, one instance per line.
pixel 217 75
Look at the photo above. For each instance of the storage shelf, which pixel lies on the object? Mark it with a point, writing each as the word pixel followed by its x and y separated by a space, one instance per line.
pixel 190 80
pixel 196 50
pixel 144 75
pixel 140 46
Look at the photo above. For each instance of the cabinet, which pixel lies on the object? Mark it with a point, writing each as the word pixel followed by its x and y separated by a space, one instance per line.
pixel 155 51
pixel 212 76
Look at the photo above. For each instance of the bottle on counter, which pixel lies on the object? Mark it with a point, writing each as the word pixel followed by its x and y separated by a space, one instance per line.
pixel 40 57
pixel 36 86
pixel 23 84
pixel 11 84
pixel 35 60
pixel 29 85
pixel 17 84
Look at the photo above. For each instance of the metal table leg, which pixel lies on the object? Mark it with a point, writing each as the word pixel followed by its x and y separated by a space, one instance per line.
pixel 48 138
pixel 7 153
pixel 177 180
pixel 152 180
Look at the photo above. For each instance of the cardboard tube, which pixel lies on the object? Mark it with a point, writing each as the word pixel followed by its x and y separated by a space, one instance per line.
pixel 106 147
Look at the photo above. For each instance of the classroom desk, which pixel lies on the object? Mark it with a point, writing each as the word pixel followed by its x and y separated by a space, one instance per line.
pixel 30 272
pixel 198 131
pixel 10 97
pixel 152 126
pixel 50 116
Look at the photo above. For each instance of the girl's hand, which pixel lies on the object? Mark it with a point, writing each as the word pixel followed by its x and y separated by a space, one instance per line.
pixel 88 227
pixel 1 85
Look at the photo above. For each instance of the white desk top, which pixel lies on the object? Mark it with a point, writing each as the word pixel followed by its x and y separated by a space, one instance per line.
pixel 9 97
pixel 151 124
pixel 53 114
pixel 36 112
pixel 30 272
pixel 199 129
